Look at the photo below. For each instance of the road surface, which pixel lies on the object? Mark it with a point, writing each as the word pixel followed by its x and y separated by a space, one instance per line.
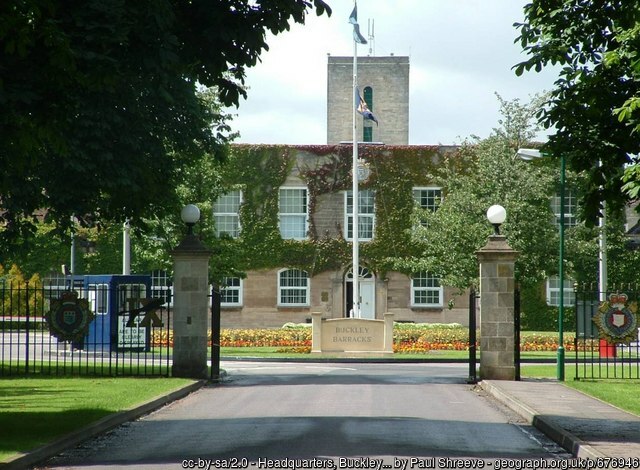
pixel 323 415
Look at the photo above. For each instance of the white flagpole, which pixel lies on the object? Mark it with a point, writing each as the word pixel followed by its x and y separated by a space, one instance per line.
pixel 356 266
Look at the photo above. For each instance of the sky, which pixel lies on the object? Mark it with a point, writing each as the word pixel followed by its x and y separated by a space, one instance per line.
pixel 461 54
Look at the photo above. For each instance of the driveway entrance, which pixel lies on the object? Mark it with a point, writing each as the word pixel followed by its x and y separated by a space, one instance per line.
pixel 265 412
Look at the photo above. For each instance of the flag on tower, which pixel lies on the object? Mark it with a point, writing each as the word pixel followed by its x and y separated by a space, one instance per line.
pixel 353 19
pixel 363 109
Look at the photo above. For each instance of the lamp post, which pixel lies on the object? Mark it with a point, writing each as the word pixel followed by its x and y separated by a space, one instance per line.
pixel 528 155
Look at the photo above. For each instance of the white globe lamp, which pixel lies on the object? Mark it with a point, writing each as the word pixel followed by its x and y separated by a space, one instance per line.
pixel 496 215
pixel 190 215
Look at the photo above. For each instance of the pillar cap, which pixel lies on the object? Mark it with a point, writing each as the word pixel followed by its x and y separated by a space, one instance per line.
pixel 191 244
pixel 497 247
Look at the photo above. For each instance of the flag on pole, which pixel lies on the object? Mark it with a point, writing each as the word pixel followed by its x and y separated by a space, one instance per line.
pixel 363 109
pixel 353 19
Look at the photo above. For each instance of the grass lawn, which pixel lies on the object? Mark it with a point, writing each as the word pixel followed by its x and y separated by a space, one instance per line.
pixel 621 393
pixel 34 411
pixel 271 352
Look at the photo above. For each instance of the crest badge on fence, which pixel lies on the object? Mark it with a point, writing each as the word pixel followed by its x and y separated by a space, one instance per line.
pixel 69 317
pixel 617 319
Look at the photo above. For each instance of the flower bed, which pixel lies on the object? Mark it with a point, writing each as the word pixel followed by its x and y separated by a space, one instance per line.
pixel 407 338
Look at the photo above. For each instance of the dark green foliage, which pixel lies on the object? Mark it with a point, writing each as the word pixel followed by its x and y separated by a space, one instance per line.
pixel 593 44
pixel 99 100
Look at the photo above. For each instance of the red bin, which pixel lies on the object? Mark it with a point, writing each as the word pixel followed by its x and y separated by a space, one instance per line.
pixel 607 349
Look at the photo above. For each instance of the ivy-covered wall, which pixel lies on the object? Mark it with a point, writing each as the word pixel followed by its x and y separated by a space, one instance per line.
pixel 260 170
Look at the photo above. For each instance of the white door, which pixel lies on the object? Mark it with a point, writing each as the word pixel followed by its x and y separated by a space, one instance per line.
pixel 367 299
pixel 367 291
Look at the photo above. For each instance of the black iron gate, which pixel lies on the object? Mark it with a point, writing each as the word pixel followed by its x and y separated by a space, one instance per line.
pixel 39 328
pixel 607 341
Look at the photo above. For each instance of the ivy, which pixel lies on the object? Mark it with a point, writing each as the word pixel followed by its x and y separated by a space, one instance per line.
pixel 260 170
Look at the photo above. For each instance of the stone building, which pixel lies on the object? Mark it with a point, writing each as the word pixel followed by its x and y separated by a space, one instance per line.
pixel 384 85
pixel 312 204
pixel 288 210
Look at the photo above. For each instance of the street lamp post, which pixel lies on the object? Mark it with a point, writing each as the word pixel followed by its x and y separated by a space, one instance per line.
pixel 530 154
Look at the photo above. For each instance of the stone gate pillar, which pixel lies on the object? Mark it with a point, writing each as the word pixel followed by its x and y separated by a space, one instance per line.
pixel 190 308
pixel 497 285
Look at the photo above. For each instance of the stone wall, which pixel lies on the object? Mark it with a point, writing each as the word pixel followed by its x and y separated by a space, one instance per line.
pixel 393 295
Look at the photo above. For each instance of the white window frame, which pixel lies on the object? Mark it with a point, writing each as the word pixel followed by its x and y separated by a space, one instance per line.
pixel 303 216
pixel 55 284
pixel 428 289
pixel 235 215
pixel 282 289
pixel 348 215
pixel 419 198
pixel 553 292
pixel 570 209
pixel 98 295
pixel 239 288
pixel 161 285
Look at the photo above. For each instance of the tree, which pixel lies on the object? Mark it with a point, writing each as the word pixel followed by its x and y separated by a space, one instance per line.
pixel 492 174
pixel 99 102
pixel 592 44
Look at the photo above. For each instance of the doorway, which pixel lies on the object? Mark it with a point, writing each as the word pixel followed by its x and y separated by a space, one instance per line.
pixel 367 293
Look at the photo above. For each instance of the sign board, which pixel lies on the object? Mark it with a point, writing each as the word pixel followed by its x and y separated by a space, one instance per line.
pixel 352 335
pixel 131 337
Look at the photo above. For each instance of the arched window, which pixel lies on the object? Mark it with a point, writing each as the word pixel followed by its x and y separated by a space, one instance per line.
pixel 368 97
pixel 293 287
pixel 367 128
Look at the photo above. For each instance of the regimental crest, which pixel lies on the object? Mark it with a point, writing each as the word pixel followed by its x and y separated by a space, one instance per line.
pixel 69 317
pixel 617 319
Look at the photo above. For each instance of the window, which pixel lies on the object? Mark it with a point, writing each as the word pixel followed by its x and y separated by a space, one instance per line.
pixel 366 214
pixel 231 292
pixel 570 209
pixel 426 290
pixel 428 198
pixel 367 96
pixel 293 213
pixel 293 287
pixel 367 129
pixel 160 285
pixel 54 285
pixel 367 132
pixel 98 295
pixel 553 292
pixel 225 214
